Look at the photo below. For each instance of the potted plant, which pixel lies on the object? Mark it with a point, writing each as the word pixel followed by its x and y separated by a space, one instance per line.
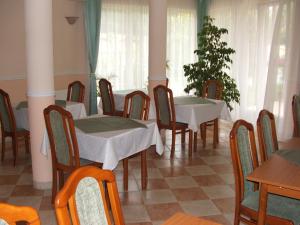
pixel 214 59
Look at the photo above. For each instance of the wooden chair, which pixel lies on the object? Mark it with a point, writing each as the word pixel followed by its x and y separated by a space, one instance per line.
pixel 9 127
pixel 211 89
pixel 296 115
pixel 63 144
pixel 136 106
pixel 166 117
pixel 267 137
pixel 244 160
pixel 82 200
pixel 76 92
pixel 167 82
pixel 12 214
pixel 107 98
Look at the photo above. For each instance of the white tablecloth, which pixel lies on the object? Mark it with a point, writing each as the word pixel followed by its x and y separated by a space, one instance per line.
pixel 21 115
pixel 195 114
pixel 119 97
pixel 112 146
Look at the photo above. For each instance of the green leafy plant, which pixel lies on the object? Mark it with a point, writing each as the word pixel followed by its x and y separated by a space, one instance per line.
pixel 213 63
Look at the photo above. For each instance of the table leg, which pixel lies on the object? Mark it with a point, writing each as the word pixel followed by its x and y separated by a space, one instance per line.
pixel 125 174
pixel 263 199
pixel 144 169
pixel 195 141
pixel 190 143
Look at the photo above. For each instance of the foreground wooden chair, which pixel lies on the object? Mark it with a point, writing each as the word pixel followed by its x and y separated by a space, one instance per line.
pixel 12 214
pixel 136 106
pixel 82 200
pixel 107 98
pixel 9 127
pixel 211 89
pixel 296 115
pixel 166 117
pixel 244 160
pixel 63 144
pixel 75 92
pixel 267 137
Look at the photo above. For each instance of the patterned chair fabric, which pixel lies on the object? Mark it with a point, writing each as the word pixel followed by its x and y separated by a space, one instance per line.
pixel 89 202
pixel 267 135
pixel 107 104
pixel 164 107
pixel 4 114
pixel 137 107
pixel 245 158
pixel 76 92
pixel 59 137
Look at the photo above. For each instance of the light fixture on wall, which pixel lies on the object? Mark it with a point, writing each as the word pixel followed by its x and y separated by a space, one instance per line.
pixel 71 19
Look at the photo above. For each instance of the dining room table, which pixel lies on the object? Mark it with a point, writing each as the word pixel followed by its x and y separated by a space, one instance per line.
pixel 278 175
pixel 109 139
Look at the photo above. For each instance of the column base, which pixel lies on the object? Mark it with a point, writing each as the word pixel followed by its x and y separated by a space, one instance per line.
pixel 42 185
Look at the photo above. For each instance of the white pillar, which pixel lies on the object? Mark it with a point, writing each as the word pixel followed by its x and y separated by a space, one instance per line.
pixel 157 43
pixel 40 83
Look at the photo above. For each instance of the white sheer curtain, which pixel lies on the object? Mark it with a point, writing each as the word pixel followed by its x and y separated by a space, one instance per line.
pixel 264 66
pixel 123 48
pixel 181 41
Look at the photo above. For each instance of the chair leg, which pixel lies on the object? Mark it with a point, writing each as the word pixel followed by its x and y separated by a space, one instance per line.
pixel 125 174
pixel 182 136
pixel 215 135
pixel 217 129
pixel 144 169
pixel 203 134
pixel 54 184
pixel 190 143
pixel 3 148
pixel 15 148
pixel 173 143
pixel 195 141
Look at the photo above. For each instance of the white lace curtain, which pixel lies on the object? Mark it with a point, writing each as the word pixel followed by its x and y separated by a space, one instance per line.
pixel 262 32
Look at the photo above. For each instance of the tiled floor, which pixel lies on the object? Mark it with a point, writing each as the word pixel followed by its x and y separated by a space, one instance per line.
pixel 201 186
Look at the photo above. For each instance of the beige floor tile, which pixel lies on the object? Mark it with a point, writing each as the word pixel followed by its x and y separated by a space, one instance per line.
pixel 163 211
pixel 135 213
pixel 153 173
pixel 47 217
pixel 199 170
pixel 227 177
pixel 158 197
pixel 200 208
pixel 213 160
pixel 33 201
pixel 181 182
pixel 6 190
pixel 218 191
pixel 25 179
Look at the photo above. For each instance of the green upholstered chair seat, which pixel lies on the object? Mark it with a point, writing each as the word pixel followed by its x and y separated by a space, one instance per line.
pixel 279 206
pixel 179 124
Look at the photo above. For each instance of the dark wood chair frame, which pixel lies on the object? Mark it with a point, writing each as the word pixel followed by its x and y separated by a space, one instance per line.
pixel 173 125
pixel 113 112
pixel 65 203
pixel 13 214
pixel 58 169
pixel 242 213
pixel 260 133
pixel 215 122
pixel 81 94
pixel 14 133
pixel 296 132
pixel 144 116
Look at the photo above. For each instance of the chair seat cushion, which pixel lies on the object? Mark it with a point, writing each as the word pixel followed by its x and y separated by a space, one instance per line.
pixel 183 125
pixel 279 206
pixel 85 162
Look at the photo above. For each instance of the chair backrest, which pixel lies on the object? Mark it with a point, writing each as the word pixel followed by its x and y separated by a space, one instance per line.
pixel 62 137
pixel 107 97
pixel 244 157
pixel 212 89
pixel 164 104
pixel 267 137
pixel 167 82
pixel 137 105
pixel 7 118
pixel 75 92
pixel 83 200
pixel 296 115
pixel 11 214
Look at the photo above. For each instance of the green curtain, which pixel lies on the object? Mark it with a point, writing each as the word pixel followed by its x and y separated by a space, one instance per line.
pixel 202 10
pixel 92 27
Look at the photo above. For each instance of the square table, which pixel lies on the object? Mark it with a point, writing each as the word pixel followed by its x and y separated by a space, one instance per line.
pixel 278 176
pixel 109 147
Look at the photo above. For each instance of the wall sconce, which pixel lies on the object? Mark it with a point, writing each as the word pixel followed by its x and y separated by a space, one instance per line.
pixel 71 19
